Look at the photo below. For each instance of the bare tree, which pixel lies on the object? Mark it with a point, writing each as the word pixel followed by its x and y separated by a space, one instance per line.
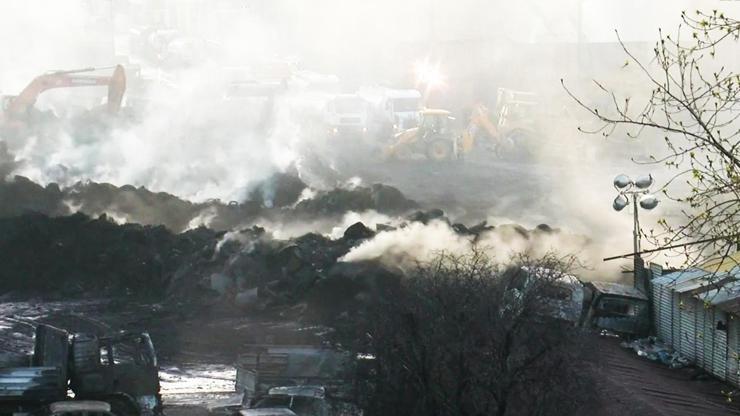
pixel 464 336
pixel 692 100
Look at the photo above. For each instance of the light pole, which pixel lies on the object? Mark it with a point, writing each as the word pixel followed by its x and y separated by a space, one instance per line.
pixel 639 191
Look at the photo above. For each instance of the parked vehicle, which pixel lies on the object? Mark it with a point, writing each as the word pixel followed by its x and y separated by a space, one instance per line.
pixel 289 380
pixel 266 366
pixel 119 369
pixel 618 308
pixel 346 116
pixel 391 110
pixel 80 408
pixel 298 400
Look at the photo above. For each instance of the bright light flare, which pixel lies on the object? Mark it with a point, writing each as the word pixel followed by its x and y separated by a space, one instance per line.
pixel 428 75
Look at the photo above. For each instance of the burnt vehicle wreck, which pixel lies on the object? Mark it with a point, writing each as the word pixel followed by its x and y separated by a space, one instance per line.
pixel 120 370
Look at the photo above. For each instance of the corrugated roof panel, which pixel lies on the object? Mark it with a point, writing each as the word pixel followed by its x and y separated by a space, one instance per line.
pixel 706 281
pixel 618 289
pixel 681 276
pixel 726 293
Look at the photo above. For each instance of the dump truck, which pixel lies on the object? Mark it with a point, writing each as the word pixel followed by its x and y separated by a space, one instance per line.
pixel 119 369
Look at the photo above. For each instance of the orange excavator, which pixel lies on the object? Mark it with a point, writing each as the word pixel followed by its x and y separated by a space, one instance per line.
pixel 17 115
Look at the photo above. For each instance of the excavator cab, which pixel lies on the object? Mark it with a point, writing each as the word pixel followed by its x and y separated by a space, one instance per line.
pixel 435 122
pixel 433 139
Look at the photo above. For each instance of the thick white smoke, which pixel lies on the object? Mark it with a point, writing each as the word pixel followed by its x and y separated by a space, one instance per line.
pixel 195 144
pixel 417 242
pixel 186 138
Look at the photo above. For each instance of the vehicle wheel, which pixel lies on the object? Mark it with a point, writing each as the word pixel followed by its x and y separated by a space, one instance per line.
pixel 440 149
pixel 122 406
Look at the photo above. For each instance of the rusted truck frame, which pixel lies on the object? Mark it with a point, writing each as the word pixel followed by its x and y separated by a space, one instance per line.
pixel 120 369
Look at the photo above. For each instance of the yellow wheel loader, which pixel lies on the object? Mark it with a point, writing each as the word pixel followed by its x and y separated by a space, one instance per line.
pixel 435 139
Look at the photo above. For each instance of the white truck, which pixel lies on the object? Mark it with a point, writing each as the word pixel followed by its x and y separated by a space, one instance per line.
pixel 347 116
pixel 392 110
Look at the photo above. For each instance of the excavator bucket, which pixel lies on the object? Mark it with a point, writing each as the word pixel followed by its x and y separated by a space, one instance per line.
pixel 116 89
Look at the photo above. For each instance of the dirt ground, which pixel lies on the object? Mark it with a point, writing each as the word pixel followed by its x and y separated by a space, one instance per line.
pixel 631 385
pixel 197 351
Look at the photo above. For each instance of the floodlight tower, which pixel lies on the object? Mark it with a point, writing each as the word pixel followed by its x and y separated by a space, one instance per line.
pixel 639 191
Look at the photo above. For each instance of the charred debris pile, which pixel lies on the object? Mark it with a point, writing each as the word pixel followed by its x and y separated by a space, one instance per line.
pixel 45 253
pixel 278 197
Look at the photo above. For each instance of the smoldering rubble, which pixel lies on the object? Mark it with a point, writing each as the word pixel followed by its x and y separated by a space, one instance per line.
pixel 277 199
pixel 233 263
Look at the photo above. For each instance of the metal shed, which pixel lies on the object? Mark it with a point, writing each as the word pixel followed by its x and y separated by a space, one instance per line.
pixel 667 304
pixel 723 305
pixel 692 314
pixel 696 312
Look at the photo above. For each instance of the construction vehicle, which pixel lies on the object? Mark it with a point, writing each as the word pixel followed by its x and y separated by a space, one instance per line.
pixel 436 139
pixel 515 108
pixel 19 117
pixel 433 138
pixel 507 138
pixel 120 369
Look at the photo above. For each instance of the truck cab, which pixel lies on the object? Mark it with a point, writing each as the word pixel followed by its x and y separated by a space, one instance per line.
pixel 392 110
pixel 119 369
pixel 346 115
pixel 402 107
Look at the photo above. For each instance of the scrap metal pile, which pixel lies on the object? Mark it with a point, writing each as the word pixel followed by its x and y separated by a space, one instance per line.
pixel 655 350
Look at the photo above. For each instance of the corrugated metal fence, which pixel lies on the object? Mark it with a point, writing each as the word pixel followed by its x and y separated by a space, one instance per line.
pixel 699 320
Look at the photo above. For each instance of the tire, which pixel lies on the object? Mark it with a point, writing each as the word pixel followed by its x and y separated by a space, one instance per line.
pixel 123 406
pixel 440 148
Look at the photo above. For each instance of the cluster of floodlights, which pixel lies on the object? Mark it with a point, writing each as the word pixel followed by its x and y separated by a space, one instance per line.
pixel 639 189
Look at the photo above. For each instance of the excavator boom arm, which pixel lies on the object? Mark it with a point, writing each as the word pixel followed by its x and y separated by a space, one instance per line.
pixel 27 98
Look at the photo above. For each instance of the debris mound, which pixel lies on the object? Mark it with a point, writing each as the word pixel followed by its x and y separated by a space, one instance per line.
pixel 276 198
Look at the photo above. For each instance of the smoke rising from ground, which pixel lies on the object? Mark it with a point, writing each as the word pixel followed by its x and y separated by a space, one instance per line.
pixel 418 242
pixel 186 138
